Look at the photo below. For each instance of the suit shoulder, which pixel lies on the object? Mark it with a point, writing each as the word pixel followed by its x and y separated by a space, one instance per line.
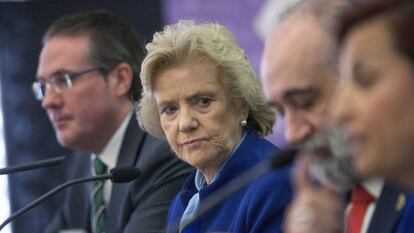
pixel 152 143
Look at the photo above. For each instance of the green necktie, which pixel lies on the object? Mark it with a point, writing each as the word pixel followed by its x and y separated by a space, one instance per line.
pixel 98 219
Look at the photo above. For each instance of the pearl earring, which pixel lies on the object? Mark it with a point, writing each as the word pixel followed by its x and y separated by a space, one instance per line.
pixel 243 123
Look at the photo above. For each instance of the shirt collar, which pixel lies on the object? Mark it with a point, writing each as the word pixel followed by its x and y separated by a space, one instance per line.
pixel 374 186
pixel 110 153
pixel 199 179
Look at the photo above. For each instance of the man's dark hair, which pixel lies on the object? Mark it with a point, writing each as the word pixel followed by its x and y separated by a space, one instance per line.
pixel 112 41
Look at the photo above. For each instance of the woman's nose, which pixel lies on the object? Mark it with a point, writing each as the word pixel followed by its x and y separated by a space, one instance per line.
pixel 342 102
pixel 187 121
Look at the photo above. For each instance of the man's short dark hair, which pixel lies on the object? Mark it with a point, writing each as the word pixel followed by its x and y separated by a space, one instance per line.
pixel 113 40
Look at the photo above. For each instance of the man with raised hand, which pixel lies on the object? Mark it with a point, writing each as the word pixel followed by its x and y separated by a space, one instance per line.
pixel 299 74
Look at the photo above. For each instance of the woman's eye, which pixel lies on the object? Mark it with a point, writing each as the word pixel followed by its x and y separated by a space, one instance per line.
pixel 169 110
pixel 203 101
pixel 364 80
pixel 363 77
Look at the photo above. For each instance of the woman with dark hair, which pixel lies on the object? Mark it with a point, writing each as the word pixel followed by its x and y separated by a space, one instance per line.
pixel 375 101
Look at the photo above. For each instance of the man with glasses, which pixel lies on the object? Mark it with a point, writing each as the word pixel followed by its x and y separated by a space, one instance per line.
pixel 87 81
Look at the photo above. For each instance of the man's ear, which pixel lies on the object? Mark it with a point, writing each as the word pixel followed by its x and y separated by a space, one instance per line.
pixel 122 76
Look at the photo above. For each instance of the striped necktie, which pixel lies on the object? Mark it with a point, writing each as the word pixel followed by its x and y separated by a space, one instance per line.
pixel 98 219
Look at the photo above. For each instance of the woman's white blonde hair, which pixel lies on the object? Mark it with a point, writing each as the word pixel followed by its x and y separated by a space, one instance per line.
pixel 186 42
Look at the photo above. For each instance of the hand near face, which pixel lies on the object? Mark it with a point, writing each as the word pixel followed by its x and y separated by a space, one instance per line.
pixel 315 209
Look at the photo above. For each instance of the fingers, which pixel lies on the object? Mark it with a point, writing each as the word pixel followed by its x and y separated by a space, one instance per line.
pixel 301 179
pixel 299 220
pixel 315 208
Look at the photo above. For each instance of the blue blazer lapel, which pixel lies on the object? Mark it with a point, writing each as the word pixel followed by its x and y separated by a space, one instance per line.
pixel 128 156
pixel 388 210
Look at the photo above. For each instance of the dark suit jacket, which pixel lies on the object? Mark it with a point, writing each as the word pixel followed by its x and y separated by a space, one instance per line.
pixel 392 207
pixel 138 206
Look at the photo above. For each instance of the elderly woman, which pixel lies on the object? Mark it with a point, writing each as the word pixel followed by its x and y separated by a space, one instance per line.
pixel 202 96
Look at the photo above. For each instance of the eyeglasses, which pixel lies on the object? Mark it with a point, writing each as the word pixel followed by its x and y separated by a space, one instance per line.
pixel 59 83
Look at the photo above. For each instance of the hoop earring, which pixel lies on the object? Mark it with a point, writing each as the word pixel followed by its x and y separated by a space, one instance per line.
pixel 243 123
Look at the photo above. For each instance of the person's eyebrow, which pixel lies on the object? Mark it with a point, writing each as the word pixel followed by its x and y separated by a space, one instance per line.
pixel 164 103
pixel 298 92
pixel 200 94
pixel 57 72
pixel 39 78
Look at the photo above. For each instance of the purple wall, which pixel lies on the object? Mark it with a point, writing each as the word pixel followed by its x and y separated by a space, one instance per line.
pixel 236 15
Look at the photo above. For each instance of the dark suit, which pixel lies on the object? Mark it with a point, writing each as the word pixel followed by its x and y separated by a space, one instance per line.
pixel 390 209
pixel 139 206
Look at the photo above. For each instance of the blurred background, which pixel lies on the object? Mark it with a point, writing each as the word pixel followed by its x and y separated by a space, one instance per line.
pixel 26 133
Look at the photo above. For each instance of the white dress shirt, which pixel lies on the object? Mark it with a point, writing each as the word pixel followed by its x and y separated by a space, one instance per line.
pixel 109 155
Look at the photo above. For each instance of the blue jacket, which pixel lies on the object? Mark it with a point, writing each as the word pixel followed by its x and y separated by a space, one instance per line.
pixel 258 207
pixel 407 221
pixel 394 212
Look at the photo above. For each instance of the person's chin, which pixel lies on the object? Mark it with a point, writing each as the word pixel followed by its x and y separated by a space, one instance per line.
pixel 365 168
pixel 197 159
pixel 66 140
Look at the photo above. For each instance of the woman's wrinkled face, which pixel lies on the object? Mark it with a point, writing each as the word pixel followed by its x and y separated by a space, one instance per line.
pixel 375 102
pixel 198 117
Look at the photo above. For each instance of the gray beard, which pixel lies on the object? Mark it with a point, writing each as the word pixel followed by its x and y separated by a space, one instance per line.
pixel 331 163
